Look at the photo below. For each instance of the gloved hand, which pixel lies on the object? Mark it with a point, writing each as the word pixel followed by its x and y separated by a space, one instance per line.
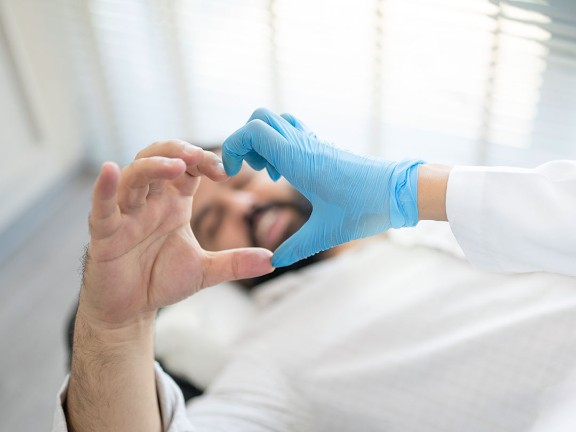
pixel 352 196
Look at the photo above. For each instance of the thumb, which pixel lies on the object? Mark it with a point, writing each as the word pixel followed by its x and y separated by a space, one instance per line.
pixel 299 246
pixel 236 264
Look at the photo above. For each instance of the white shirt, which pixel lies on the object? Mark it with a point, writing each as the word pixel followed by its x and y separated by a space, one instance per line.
pixel 400 338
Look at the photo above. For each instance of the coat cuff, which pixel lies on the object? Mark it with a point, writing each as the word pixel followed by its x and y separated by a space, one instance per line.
pixel 466 209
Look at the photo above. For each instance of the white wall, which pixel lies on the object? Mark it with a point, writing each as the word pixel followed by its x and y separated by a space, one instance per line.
pixel 39 137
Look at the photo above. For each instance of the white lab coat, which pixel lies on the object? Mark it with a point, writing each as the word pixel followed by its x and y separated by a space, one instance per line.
pixel 514 219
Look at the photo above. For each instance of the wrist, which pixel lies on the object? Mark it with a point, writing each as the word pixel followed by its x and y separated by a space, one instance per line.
pixel 112 373
pixel 106 306
pixel 432 185
pixel 89 326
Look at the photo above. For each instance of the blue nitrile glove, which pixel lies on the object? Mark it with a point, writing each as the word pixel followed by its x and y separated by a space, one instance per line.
pixel 352 196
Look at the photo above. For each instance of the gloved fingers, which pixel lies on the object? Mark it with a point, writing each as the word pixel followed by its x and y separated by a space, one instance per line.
pixel 254 137
pixel 298 124
pixel 280 124
pixel 273 172
pixel 255 160
pixel 258 163
pixel 300 245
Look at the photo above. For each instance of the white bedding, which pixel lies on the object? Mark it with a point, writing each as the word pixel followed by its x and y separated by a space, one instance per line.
pixel 397 337
pixel 196 337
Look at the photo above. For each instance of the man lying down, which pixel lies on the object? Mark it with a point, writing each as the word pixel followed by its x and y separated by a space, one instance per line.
pixel 396 332
pixel 380 328
pixel 374 335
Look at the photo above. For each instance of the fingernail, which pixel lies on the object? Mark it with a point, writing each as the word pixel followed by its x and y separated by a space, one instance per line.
pixel 220 168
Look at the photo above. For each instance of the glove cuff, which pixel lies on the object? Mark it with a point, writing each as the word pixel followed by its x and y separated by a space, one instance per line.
pixel 404 195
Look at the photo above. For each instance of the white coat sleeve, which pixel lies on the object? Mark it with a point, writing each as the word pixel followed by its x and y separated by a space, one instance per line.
pixel 515 219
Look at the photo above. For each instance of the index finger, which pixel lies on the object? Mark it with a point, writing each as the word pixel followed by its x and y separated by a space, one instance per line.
pixel 254 138
pixel 198 161
pixel 104 203
pixel 189 153
pixel 210 166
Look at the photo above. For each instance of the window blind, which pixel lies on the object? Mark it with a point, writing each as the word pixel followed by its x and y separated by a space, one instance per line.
pixel 480 81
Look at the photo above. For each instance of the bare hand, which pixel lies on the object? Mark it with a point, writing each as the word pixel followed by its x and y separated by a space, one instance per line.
pixel 143 254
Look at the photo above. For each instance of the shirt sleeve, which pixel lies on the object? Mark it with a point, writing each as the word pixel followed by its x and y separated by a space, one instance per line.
pixel 515 219
pixel 253 395
pixel 172 408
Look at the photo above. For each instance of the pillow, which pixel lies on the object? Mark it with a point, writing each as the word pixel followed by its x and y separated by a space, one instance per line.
pixel 196 337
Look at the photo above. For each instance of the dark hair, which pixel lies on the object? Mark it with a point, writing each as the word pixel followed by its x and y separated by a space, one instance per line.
pixel 250 284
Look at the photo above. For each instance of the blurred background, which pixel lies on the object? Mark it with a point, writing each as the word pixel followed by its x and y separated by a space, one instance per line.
pixel 83 81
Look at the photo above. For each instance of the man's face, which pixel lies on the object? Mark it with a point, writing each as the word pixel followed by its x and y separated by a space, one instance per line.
pixel 247 210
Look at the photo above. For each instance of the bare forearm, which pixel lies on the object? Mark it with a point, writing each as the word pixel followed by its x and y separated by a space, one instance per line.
pixel 432 185
pixel 142 256
pixel 112 383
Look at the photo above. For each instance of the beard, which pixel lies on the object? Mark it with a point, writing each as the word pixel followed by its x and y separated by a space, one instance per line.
pixel 302 208
pixel 252 283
